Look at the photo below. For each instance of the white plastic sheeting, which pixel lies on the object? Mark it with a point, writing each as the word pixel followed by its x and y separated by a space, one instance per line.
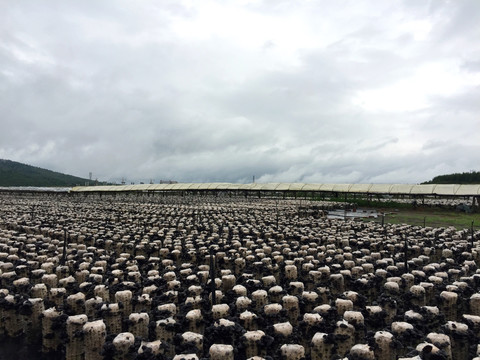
pixel 430 189
pixel 35 189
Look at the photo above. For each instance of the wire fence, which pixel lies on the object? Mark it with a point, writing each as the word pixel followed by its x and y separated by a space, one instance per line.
pixel 427 221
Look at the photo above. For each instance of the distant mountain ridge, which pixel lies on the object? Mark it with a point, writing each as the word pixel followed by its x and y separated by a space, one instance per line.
pixel 13 173
pixel 472 177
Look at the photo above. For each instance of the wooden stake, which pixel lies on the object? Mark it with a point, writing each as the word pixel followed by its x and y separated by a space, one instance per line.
pixel 64 255
pixel 472 234
pixel 212 276
pixel 406 253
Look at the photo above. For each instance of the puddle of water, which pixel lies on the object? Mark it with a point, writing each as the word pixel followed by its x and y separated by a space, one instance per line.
pixel 349 214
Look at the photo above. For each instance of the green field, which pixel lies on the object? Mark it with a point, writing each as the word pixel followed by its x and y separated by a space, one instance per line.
pixel 431 217
pixel 405 213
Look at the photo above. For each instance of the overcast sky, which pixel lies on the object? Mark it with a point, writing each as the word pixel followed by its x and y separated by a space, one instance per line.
pixel 198 91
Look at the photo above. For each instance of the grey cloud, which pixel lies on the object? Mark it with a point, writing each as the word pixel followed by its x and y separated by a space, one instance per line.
pixel 111 87
pixel 473 66
pixel 376 167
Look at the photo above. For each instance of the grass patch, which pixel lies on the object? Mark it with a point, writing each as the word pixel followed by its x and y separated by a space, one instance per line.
pixel 406 213
pixel 432 217
pixel 391 204
pixel 365 203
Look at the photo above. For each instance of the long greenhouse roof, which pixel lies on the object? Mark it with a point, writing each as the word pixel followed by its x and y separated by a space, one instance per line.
pixel 392 189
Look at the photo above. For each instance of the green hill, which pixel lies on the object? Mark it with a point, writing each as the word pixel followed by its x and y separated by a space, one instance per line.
pixel 472 177
pixel 13 173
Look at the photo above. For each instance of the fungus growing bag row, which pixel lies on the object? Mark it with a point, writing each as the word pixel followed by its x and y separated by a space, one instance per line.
pixel 229 278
